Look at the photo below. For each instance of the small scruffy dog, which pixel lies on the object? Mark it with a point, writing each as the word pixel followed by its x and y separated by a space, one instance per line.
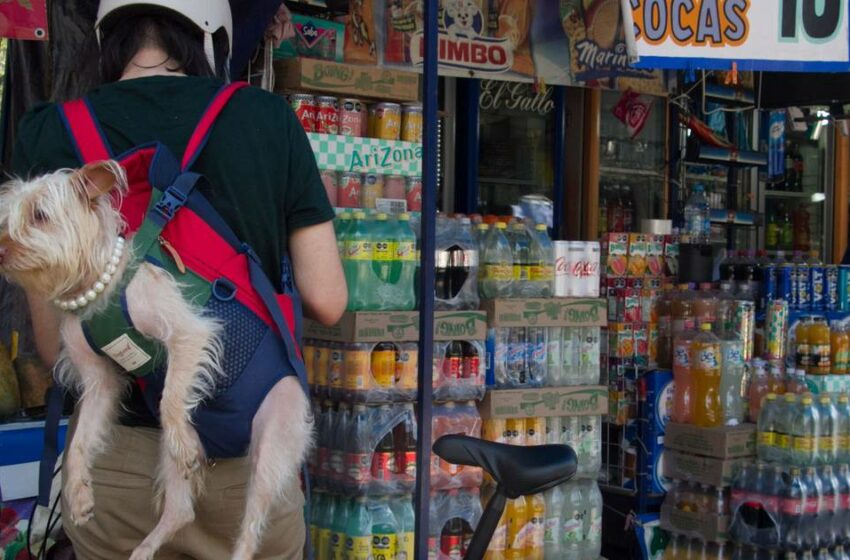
pixel 60 236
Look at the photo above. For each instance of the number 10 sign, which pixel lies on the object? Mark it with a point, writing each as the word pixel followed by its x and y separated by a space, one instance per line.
pixel 779 35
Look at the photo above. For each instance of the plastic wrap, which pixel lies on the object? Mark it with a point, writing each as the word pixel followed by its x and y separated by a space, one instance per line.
pixel 454 418
pixel 364 450
pixel 456 265
pixel 454 515
pixel 459 371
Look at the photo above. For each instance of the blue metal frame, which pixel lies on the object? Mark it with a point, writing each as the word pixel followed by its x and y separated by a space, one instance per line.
pixel 426 281
pixel 559 96
pixel 467 139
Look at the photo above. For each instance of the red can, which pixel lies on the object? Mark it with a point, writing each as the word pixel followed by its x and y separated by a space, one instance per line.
pixel 330 179
pixel 350 117
pixel 304 106
pixel 350 185
pixel 364 120
pixel 414 194
pixel 327 115
pixel 394 187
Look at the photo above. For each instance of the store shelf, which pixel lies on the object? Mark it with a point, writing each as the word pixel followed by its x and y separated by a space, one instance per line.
pixel 627 171
pixel 729 95
pixel 701 154
pixel 520 182
pixel 366 155
pixel 789 194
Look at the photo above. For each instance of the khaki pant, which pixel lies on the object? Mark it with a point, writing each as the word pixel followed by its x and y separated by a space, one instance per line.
pixel 123 481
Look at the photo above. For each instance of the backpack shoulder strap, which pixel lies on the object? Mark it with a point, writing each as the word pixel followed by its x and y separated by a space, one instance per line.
pixel 201 134
pixel 86 135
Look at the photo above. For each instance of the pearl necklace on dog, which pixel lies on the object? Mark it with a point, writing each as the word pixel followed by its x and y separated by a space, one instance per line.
pixel 99 286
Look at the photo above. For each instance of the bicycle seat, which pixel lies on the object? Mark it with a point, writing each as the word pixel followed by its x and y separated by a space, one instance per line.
pixel 518 470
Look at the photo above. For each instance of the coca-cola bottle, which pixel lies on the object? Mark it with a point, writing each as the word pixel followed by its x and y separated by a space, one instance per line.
pixel 829 506
pixel 793 498
pixel 813 495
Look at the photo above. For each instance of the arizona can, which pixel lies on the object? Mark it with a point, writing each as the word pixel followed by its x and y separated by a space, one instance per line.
pixel 387 121
pixel 304 106
pixel 350 117
pixel 327 115
pixel 350 185
pixel 411 123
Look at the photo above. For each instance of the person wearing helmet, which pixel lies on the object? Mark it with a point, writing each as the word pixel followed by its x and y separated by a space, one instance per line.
pixel 161 62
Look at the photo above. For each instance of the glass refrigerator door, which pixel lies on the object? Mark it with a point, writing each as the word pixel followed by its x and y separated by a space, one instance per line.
pixel 515 157
pixel 633 166
pixel 795 204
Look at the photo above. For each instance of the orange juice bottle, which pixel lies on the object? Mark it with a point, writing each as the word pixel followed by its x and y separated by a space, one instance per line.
pixel 840 349
pixel 517 516
pixel 705 369
pixel 819 347
pixel 683 402
pixel 803 354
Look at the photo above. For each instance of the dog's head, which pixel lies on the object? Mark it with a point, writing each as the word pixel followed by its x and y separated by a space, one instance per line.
pixel 57 231
pixel 463 12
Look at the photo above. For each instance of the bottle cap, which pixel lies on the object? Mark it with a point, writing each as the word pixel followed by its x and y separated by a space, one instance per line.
pixel 359 215
pixel 705 327
pixel 541 227
pixel 381 216
pixel 501 225
pixel 483 226
pixel 824 399
pixel 843 398
pixel 771 396
pixel 790 397
pixel 807 399
pixel 404 217
pixel 518 226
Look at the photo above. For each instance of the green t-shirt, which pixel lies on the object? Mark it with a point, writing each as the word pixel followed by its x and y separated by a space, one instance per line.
pixel 263 175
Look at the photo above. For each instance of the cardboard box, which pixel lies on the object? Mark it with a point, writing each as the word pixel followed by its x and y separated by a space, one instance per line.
pixel 726 442
pixel 346 79
pixel 710 528
pixel 704 470
pixel 550 312
pixel 379 326
pixel 590 400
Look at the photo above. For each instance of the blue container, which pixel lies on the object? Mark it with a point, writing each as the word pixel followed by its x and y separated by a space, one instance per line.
pixel 817 287
pixel 831 287
pixel 769 284
pixel 785 288
pixel 803 289
pixel 844 287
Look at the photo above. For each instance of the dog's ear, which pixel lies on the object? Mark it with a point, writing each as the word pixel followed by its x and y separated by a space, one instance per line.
pixel 100 178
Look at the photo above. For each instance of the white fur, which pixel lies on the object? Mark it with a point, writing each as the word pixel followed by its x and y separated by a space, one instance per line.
pixel 56 234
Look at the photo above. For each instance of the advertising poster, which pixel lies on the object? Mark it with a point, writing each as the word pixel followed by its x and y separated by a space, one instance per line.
pixel 23 19
pixel 558 42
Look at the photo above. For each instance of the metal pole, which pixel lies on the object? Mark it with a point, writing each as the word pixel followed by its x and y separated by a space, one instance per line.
pixel 426 279
pixel 559 176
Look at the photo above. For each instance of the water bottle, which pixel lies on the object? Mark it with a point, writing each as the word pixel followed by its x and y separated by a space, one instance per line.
pixel 516 364
pixel 574 513
pixel 535 357
pixel 570 355
pixel 552 541
pixel 357 263
pixel 496 276
pixel 498 341
pixel 593 522
pixel 554 358
pixel 843 428
pixel 732 379
pixel 804 432
pixel 521 251
pixel 698 215
pixel 589 355
pixel 768 416
pixel 542 263
pixel 828 440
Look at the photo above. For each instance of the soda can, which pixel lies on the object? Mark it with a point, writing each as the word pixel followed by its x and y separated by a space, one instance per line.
pixel 394 187
pixel 831 287
pixel 387 121
pixel 407 366
pixel 769 285
pixel 383 364
pixel 844 287
pixel 785 289
pixel 411 123
pixel 350 185
pixel 304 106
pixel 413 194
pixel 804 292
pixel 327 115
pixel 330 179
pixel 562 281
pixel 816 287
pixel 372 189
pixel 745 325
pixel 350 117
pixel 776 326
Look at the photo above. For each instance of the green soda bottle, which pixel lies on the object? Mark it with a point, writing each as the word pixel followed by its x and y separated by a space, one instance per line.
pixel 357 263
pixel 403 511
pixel 358 534
pixel 383 253
pixel 326 526
pixel 342 224
pixel 384 530
pixel 403 274
pixel 339 528
pixel 316 513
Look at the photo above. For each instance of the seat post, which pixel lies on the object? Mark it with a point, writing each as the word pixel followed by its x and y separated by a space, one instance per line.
pixel 486 526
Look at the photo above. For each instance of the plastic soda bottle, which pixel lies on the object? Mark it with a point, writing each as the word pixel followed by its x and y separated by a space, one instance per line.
pixel 791 529
pixel 357 263
pixel 759 388
pixel 317 513
pixel 358 533
pixel 768 416
pixel 840 349
pixel 828 440
pixel 782 427
pixel 358 452
pixel 803 354
pixel 554 358
pixel 405 517
pixel 819 341
pixel 705 367
pixel 552 542
pixel 796 382
pixel 404 264
pixel 385 529
pixel 521 249
pixel 517 519
pixel 843 429
pixel 339 528
pixel 593 522
pixel 830 506
pixel 683 405
pixel 342 223
pixel 805 432
pixel 497 273
pixel 732 379
pixel 573 521
pixel 542 273
pixel 535 505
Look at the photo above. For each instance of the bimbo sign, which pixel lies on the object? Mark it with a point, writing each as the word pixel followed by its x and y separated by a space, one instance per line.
pixel 779 35
pixel 486 55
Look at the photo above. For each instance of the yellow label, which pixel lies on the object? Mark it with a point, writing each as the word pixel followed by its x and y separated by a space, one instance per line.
pixel 844 442
pixel 541 273
pixel 828 443
pixel 383 251
pixel 804 443
pixel 358 250
pixel 384 547
pixel 405 546
pixel 501 272
pixel 356 369
pixel 405 251
pixel 324 545
pixel 783 441
pixel 337 546
pixel 522 272
pixel 358 548
pixel 336 369
pixel 767 438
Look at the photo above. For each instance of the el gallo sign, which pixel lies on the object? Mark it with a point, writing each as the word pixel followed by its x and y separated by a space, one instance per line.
pixel 778 35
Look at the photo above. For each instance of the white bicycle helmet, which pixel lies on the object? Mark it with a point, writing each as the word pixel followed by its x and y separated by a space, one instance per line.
pixel 210 16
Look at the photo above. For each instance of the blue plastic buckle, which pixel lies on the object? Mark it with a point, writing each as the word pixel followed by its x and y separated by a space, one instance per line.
pixel 249 252
pixel 172 200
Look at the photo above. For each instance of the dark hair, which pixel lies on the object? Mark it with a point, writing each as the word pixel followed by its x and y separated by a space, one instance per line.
pixel 129 30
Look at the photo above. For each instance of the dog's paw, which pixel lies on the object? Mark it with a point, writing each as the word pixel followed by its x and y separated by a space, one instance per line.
pixel 143 552
pixel 80 500
pixel 185 448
